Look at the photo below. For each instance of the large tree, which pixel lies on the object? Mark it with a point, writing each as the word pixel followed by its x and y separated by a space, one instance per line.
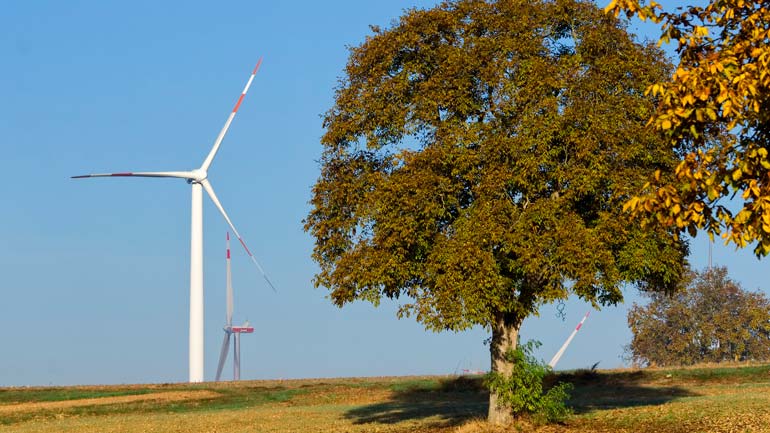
pixel 714 109
pixel 711 319
pixel 476 161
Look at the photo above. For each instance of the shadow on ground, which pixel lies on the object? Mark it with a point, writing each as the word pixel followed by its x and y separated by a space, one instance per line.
pixel 449 401
pixel 596 390
pixel 456 400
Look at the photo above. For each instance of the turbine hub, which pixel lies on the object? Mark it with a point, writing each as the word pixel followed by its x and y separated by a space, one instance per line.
pixel 197 176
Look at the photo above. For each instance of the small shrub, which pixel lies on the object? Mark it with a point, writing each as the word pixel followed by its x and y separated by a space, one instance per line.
pixel 523 392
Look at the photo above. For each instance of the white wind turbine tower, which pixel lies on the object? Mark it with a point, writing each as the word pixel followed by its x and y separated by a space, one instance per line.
pixel 197 178
pixel 230 330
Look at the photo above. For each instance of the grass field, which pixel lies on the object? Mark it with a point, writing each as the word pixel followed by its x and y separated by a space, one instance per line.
pixel 715 399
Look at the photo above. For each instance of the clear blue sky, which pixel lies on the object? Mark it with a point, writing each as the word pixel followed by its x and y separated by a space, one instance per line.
pixel 94 273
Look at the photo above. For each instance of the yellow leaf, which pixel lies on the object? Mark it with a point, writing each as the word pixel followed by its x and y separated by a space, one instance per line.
pixel 631 204
pixel 712 193
pixel 727 108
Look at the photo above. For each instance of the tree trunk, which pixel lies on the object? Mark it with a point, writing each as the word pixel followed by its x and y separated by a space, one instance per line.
pixel 505 333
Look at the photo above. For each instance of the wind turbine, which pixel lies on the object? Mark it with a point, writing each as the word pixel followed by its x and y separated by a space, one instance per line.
pixel 558 355
pixel 231 330
pixel 197 178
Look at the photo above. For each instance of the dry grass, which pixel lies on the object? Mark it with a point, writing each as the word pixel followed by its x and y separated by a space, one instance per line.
pixel 717 399
pixel 157 397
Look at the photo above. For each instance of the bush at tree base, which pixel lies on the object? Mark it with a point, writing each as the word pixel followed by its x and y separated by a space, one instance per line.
pixel 523 391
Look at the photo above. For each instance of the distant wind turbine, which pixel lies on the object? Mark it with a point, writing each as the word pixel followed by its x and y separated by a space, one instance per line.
pixel 566 343
pixel 230 330
pixel 197 178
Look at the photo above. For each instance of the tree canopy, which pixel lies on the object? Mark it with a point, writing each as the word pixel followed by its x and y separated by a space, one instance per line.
pixel 714 110
pixel 476 161
pixel 711 319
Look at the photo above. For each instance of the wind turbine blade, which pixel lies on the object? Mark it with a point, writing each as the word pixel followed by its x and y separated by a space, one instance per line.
pixel 237 358
pixel 221 136
pixel 177 174
pixel 229 286
pixel 207 186
pixel 558 355
pixel 223 355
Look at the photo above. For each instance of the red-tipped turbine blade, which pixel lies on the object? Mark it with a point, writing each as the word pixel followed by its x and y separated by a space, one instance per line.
pixel 210 191
pixel 215 148
pixel 176 174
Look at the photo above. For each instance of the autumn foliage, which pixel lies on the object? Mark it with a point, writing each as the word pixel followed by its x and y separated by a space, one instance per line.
pixel 476 161
pixel 711 319
pixel 714 109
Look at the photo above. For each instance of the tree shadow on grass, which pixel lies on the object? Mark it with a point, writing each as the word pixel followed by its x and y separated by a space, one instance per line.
pixel 615 390
pixel 450 402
